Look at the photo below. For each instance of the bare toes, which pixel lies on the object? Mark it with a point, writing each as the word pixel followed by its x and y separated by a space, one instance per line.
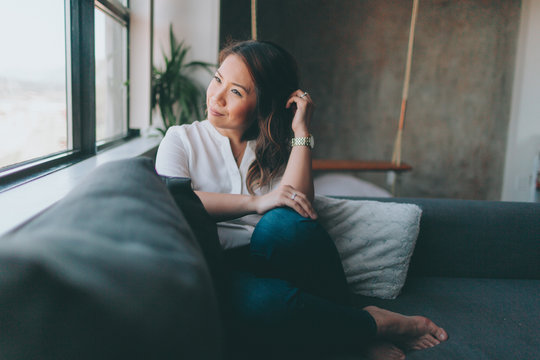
pixel 426 343
pixel 437 332
pixel 441 334
pixel 430 340
pixel 425 334
pixel 408 332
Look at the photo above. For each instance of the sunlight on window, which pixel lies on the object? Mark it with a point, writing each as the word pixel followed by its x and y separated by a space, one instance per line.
pixel 33 119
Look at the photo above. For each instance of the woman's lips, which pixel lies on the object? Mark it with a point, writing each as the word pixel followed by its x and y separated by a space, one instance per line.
pixel 214 112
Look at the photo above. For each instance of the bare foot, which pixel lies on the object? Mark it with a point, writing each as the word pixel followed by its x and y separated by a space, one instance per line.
pixel 384 351
pixel 408 332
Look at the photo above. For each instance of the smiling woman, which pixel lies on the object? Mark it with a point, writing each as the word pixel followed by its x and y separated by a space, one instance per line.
pixel 250 165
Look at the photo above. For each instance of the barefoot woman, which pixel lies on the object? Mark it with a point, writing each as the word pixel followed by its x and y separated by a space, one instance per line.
pixel 250 164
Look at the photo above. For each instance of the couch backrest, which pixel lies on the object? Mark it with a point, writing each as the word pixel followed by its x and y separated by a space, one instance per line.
pixel 469 238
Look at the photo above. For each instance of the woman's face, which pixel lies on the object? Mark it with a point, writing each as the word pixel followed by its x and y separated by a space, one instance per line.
pixel 231 97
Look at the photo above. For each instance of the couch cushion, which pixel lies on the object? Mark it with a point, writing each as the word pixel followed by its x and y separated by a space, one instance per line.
pixel 484 318
pixel 113 270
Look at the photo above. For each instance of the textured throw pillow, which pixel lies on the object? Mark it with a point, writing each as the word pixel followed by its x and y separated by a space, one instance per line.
pixel 375 241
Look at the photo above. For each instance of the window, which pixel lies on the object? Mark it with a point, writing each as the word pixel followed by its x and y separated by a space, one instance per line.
pixel 111 74
pixel 32 81
pixel 63 83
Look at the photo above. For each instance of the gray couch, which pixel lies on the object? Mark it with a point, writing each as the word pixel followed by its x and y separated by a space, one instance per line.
pixel 126 266
pixel 476 272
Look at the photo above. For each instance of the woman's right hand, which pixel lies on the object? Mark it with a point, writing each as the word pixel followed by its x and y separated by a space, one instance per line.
pixel 285 195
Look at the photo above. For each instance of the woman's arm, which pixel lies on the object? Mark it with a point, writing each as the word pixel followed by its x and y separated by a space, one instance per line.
pixel 224 207
pixel 298 172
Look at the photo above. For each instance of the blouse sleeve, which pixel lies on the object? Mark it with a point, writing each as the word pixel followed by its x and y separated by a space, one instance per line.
pixel 172 156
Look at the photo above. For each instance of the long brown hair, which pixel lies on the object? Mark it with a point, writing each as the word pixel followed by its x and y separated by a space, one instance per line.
pixel 275 74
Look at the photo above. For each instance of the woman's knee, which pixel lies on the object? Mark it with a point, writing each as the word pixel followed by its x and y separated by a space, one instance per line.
pixel 283 229
pixel 281 225
pixel 280 215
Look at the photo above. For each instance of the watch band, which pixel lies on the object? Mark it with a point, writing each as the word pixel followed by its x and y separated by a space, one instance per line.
pixel 303 141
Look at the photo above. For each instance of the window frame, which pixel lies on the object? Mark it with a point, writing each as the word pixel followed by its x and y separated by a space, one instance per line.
pixel 80 91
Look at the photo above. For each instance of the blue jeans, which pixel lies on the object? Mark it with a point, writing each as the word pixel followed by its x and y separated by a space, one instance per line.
pixel 288 290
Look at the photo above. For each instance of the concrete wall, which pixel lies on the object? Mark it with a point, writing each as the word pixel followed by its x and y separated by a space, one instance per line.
pixel 522 156
pixel 352 57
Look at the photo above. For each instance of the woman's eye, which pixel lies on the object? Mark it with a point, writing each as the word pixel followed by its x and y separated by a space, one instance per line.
pixel 217 79
pixel 236 92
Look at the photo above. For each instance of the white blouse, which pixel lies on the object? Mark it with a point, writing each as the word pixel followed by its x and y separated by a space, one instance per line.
pixel 200 152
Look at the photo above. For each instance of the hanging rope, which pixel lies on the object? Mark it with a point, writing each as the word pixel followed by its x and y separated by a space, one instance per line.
pixel 254 19
pixel 396 157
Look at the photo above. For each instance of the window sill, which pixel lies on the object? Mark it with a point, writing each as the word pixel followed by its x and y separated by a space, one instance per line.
pixel 25 201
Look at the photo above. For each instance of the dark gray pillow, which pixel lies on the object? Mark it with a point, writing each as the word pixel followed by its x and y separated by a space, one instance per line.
pixel 113 270
pixel 203 226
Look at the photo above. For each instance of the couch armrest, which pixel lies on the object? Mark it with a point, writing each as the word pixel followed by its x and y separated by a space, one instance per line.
pixel 111 271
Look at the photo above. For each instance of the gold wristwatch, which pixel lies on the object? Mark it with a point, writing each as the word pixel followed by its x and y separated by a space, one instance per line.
pixel 303 141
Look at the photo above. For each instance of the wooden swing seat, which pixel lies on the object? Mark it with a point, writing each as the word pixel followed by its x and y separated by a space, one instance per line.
pixel 358 165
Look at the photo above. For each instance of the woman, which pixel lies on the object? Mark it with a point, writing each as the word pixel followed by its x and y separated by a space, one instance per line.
pixel 252 157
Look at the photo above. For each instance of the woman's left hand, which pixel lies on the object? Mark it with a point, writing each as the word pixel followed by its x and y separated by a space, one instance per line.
pixel 302 112
pixel 284 195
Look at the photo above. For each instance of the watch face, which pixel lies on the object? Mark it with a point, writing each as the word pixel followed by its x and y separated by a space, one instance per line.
pixel 312 141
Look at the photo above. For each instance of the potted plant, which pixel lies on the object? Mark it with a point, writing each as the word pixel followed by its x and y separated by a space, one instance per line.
pixel 174 92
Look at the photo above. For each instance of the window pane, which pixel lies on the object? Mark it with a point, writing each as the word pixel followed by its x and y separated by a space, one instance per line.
pixel 33 120
pixel 111 77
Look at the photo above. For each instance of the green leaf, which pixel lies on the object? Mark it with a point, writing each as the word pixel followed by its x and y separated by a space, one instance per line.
pixel 177 96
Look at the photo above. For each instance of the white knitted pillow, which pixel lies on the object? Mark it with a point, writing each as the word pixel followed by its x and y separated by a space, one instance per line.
pixel 375 241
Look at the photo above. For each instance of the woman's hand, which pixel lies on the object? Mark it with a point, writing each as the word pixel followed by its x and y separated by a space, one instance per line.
pixel 285 195
pixel 303 110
